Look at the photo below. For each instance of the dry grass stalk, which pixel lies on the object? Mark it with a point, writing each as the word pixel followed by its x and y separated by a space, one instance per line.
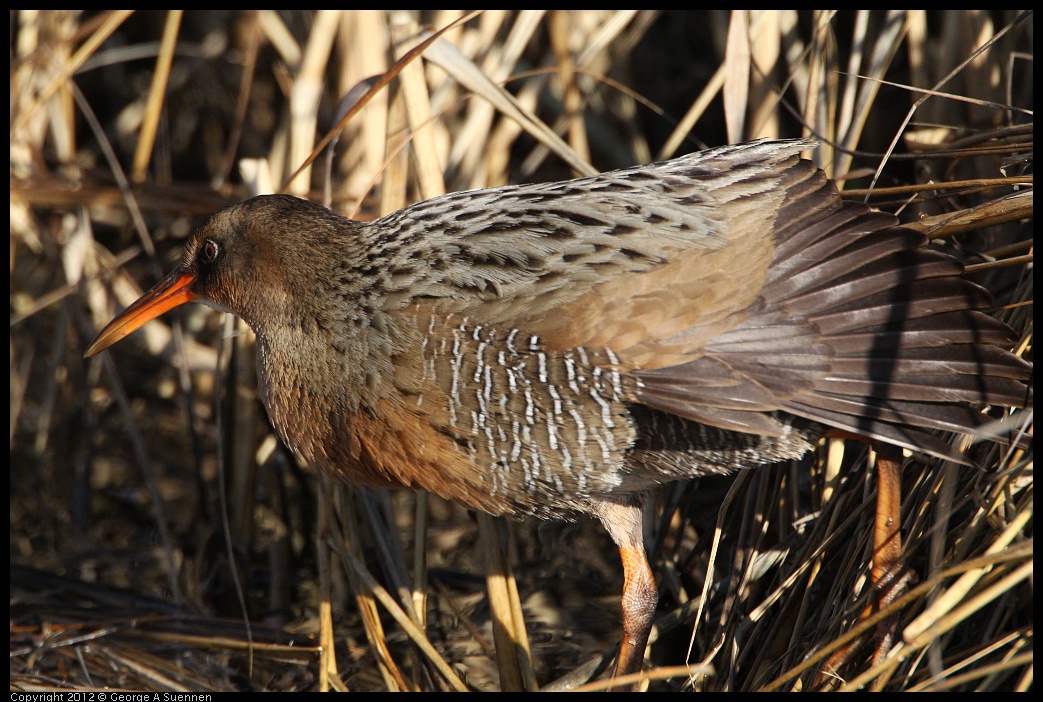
pixel 127 564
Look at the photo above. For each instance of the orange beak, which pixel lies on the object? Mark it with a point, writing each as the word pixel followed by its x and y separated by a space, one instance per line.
pixel 174 290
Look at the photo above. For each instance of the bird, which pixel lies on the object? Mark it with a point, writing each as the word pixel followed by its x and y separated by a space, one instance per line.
pixel 560 350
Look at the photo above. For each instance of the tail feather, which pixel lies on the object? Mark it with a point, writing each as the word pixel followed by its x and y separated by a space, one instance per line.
pixel 858 326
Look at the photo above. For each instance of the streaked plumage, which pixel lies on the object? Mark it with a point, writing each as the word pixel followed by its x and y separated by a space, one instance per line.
pixel 560 349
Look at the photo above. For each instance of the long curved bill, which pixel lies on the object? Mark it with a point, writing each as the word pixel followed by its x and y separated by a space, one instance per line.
pixel 174 290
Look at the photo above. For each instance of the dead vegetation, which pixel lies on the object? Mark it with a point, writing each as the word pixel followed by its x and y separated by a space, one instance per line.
pixel 162 540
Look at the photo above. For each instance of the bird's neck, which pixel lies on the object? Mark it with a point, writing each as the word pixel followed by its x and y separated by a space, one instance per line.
pixel 318 373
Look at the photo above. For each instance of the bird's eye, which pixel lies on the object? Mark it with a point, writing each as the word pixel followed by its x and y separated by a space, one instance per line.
pixel 211 251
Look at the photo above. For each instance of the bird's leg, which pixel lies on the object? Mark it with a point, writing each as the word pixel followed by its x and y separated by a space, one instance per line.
pixel 640 596
pixel 625 525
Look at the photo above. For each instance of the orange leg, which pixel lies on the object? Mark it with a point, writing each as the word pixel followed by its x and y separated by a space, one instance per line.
pixel 640 597
pixel 626 527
